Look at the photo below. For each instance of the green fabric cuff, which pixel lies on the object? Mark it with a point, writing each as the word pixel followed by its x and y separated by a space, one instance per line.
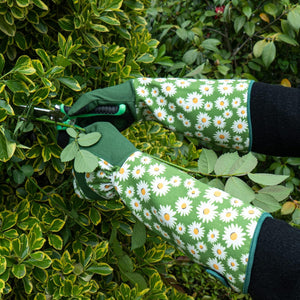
pixel 252 251
pixel 249 115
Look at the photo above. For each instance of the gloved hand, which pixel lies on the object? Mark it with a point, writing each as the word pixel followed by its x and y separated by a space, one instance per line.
pixel 214 229
pixel 239 114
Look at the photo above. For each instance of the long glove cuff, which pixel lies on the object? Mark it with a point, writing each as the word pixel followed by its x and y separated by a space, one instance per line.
pixel 214 229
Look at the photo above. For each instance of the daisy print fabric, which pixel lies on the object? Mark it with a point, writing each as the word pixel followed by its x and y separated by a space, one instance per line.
pixel 207 224
pixel 214 111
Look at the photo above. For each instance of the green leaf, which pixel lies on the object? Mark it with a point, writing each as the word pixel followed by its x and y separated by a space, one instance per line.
pixel 21 40
pixel 125 263
pixel 207 161
pixel 288 208
pixel 56 225
pixel 100 268
pixel 249 28
pixel 69 152
pixel 146 58
pixel 285 38
pixel 239 189
pixel 293 18
pixel 39 259
pixel 70 82
pixel 247 11
pixel 271 9
pixel 23 3
pixel 99 28
pixel 279 192
pixel 2 62
pixel 110 20
pixel 2 264
pixel 72 132
pixel 244 165
pixel 211 44
pixel 92 40
pixel 9 30
pixel 296 216
pixel 85 161
pixel 44 57
pixel 9 219
pixel 190 56
pixel 55 241
pixel 137 278
pixel 269 53
pixel 20 246
pixel 19 271
pixel 266 202
pixel 239 22
pixel 7 147
pixel 267 179
pixel 2 285
pixel 86 140
pixel 28 286
pixel 138 236
pixel 40 4
pixel 17 86
pixel 225 162
pixel 94 215
pixel 259 47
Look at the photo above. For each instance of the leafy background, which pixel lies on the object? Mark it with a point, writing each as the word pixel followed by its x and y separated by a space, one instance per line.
pixel 54 245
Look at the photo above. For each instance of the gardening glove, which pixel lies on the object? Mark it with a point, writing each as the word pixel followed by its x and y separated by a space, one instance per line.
pixel 239 114
pixel 214 229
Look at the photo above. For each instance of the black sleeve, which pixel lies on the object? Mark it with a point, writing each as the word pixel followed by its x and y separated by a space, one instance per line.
pixel 276 269
pixel 275 119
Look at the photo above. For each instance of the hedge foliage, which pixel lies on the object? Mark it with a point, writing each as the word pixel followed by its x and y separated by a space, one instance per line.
pixel 54 245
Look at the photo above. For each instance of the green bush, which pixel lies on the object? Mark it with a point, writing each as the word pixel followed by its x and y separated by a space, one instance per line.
pixel 54 245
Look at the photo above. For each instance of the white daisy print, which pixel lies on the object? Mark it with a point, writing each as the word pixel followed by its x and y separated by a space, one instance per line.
pixel 180 116
pixel 138 171
pixel 187 107
pixel 206 89
pixel 242 112
pixel 238 147
pixel 129 191
pixel 247 142
pixel 192 250
pixel 160 113
pixel 234 236
pixel 136 204
pixel 146 160
pixel 175 180
pixel 238 139
pixel 239 126
pixel 193 192
pixel 156 169
pixel 221 103
pixel 188 133
pixel 199 126
pixel 101 174
pixel 201 247
pixel 227 114
pixel 186 123
pixel 167 214
pixel 184 206
pixel 232 264
pixel 172 106
pixel 222 136
pixel 160 79
pixel 180 228
pixel 178 240
pixel 206 212
pixel 165 234
pixel 180 101
pixel 196 230
pixel 157 226
pixel 208 106
pixel 147 214
pixel 123 173
pixel 230 278
pixel 118 188
pixel 219 122
pixel 155 92
pixel 244 259
pixel 215 195
pixel 236 102
pixel 143 190
pixel 225 89
pixel 188 183
pixel 219 251
pixel 235 202
pixel 104 165
pixel 149 101
pixel 105 187
pixel 145 80
pixel 170 119
pixel 169 89
pixel 228 215
pixel 154 211
pixel 213 235
pixel 251 229
pixel 198 134
pixel 142 91
pixel 245 97
pixel 195 100
pixel 89 177
pixel 182 83
pixel 250 212
pixel 216 265
pixel 161 101
pixel 241 86
pixel 206 139
pixel 134 155
pixel 242 278
pixel 160 186
pixel 204 119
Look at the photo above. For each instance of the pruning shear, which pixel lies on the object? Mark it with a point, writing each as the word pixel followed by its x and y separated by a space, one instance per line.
pixel 60 112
